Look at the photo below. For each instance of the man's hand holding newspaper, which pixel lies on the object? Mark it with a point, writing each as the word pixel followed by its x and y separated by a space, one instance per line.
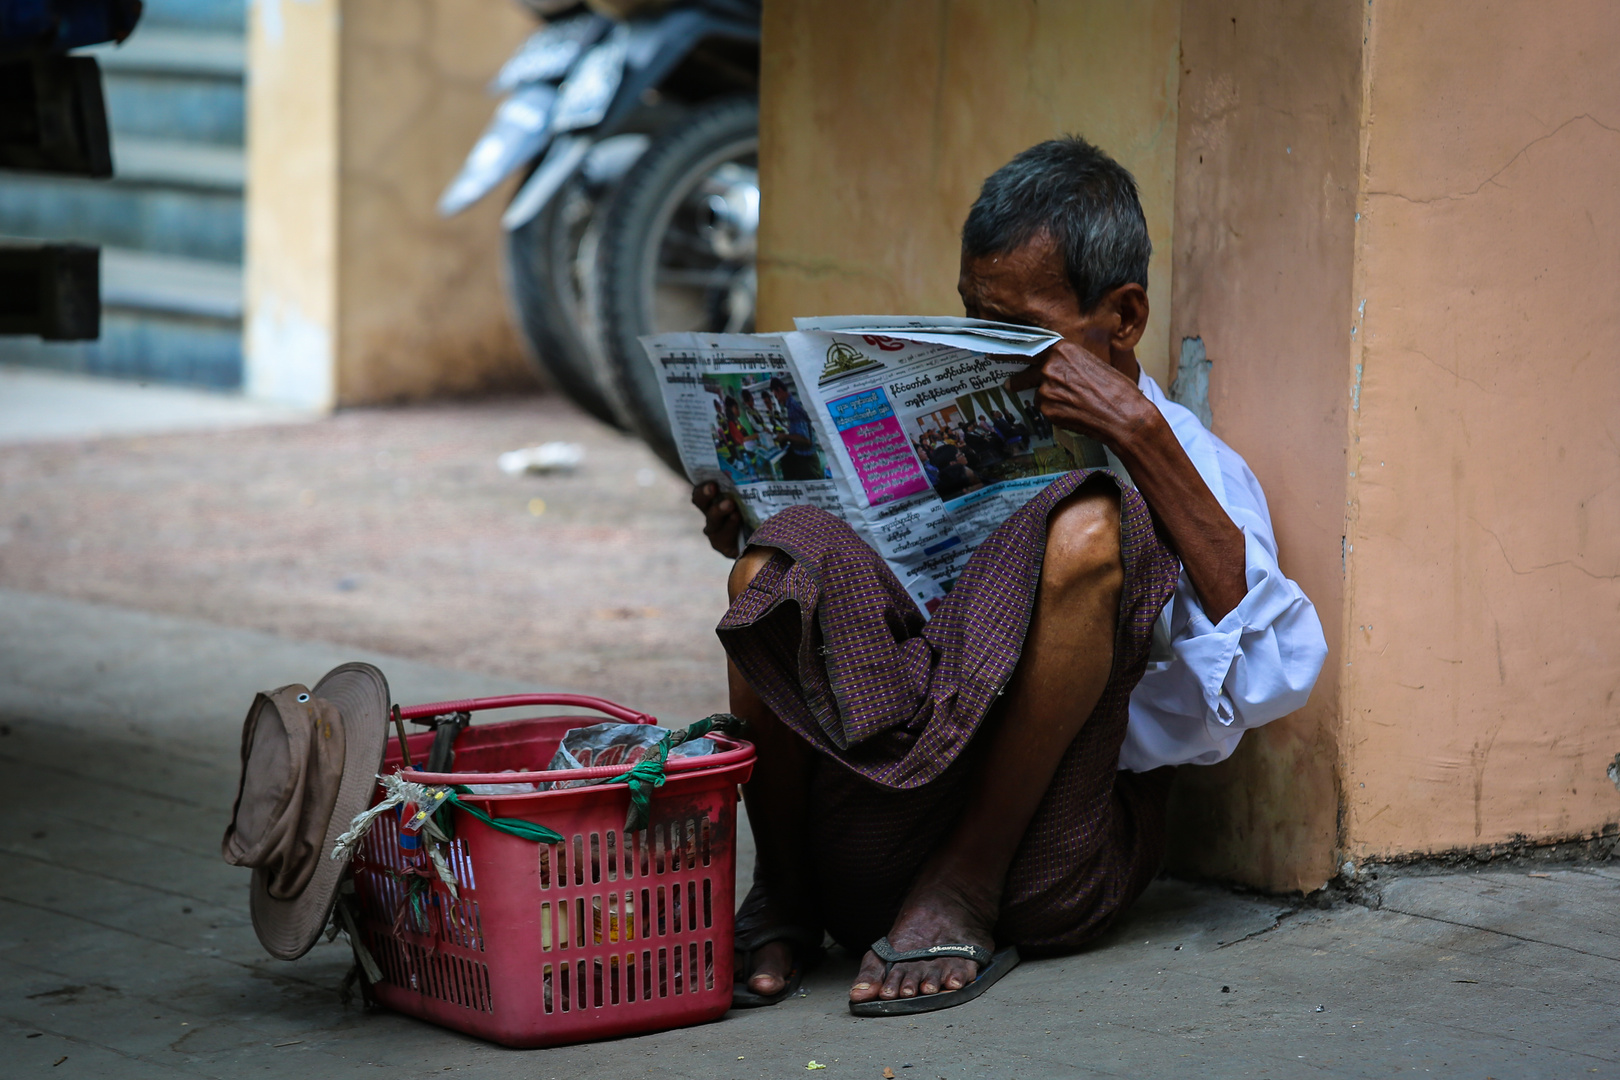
pixel 923 433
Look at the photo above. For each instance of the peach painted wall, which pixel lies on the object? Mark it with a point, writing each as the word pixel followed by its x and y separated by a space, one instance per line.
pixel 1266 185
pixel 881 118
pixel 1396 228
pixel 1482 655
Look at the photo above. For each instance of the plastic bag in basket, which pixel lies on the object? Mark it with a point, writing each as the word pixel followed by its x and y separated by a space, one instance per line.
pixel 616 744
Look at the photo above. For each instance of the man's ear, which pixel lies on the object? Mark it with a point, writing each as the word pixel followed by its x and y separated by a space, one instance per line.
pixel 1129 304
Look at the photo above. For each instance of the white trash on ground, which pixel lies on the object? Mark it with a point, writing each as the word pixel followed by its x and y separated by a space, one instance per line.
pixel 551 457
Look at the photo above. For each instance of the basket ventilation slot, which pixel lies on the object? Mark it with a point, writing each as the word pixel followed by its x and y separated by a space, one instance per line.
pixel 666 848
pixel 437 974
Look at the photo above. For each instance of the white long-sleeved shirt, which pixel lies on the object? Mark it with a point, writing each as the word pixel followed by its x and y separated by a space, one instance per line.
pixel 1207 683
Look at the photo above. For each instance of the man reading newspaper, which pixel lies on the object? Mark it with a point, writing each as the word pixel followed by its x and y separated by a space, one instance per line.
pixel 941 792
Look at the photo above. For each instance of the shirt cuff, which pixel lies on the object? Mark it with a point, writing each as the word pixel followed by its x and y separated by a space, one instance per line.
pixel 1213 649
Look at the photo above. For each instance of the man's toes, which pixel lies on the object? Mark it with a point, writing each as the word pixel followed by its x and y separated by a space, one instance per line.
pixel 958 975
pixel 772 963
pixel 910 980
pixel 892 983
pixel 869 980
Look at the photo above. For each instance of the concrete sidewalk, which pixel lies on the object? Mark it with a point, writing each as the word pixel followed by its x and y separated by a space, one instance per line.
pixel 39 405
pixel 126 951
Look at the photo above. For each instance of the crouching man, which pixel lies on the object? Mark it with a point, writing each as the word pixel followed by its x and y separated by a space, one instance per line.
pixel 942 794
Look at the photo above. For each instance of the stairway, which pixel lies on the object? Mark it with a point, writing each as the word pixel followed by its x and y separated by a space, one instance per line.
pixel 170 221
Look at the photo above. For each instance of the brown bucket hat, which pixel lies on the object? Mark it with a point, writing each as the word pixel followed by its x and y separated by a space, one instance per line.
pixel 309 765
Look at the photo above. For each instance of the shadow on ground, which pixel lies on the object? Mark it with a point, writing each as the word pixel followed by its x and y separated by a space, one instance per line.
pixel 126 951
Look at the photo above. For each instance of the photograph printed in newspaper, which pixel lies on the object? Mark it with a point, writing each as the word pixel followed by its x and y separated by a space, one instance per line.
pixel 903 427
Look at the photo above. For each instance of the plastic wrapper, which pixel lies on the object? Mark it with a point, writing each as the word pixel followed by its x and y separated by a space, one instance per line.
pixel 616 744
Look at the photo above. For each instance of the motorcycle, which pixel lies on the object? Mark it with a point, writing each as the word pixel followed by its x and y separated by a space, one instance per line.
pixel 637 127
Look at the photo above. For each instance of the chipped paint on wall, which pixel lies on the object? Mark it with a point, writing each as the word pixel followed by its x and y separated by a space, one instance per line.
pixel 1190 388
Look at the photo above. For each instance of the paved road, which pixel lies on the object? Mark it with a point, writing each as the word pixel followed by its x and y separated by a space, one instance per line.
pixel 32 407
pixel 386 529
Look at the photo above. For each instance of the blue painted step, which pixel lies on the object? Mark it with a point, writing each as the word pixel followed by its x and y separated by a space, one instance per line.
pixel 171 221
pixel 175 84
pixel 227 16
pixel 195 221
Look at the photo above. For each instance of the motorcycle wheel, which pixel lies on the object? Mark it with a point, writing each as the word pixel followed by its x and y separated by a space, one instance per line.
pixel 542 263
pixel 676 252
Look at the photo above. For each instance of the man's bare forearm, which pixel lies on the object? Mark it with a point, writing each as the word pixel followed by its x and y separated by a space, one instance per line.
pixel 1209 544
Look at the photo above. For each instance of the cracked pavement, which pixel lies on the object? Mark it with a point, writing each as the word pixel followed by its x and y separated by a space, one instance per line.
pixel 149 585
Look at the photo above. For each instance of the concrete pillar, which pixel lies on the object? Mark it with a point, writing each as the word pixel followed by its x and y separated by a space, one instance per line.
pixel 1395 229
pixel 291 272
pixel 1267 174
pixel 359 112
pixel 1481 691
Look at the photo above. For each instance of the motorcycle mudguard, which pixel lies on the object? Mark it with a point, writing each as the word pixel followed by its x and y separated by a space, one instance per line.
pixel 647 50
pixel 561 162
pixel 516 134
pixel 588 91
pixel 551 51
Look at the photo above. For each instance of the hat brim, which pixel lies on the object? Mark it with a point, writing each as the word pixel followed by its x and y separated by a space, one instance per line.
pixel 289 928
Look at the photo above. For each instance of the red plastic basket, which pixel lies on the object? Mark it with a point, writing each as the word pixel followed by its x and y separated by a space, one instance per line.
pixel 608 933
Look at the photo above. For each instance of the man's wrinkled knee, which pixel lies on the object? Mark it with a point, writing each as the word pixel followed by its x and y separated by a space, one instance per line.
pixel 746 568
pixel 1082 543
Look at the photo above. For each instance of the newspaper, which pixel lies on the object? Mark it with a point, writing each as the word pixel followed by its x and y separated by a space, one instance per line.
pixel 901 426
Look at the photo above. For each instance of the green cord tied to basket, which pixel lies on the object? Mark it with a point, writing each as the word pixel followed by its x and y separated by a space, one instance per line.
pixel 642 778
pixel 523 830
pixel 647 774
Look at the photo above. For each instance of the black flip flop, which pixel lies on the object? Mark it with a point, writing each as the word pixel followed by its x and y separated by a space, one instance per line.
pixel 750 936
pixel 991 968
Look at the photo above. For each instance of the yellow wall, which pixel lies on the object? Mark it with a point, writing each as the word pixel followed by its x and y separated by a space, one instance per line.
pixel 359 113
pixel 1482 649
pixel 881 118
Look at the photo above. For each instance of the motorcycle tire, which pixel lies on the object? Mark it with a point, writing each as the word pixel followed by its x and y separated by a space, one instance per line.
pixel 628 249
pixel 541 278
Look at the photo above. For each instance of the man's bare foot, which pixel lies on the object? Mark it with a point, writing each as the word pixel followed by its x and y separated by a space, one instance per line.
pixel 936 913
pixel 773 963
pixel 768 967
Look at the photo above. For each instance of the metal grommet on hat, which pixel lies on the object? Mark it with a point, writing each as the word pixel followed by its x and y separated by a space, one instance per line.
pixel 309 764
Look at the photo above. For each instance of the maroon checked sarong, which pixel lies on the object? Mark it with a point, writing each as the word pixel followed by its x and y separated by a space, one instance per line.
pixel 836 648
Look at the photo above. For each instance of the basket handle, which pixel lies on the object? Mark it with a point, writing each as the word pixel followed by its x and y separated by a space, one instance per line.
pixel 509 701
pixel 728 752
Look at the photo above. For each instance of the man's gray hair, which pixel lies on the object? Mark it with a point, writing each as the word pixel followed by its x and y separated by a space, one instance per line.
pixel 1085 200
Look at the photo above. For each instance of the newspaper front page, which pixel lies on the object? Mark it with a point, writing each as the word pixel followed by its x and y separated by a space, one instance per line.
pixel 903 427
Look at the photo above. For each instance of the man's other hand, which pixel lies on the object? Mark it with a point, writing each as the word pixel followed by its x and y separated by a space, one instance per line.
pixel 722 521
pixel 1078 392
